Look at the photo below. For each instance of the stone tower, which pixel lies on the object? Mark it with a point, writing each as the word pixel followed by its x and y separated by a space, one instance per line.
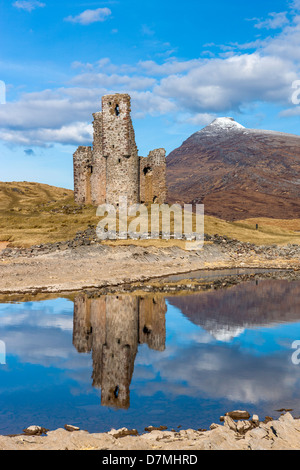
pixel 113 168
pixel 112 327
pixel 119 150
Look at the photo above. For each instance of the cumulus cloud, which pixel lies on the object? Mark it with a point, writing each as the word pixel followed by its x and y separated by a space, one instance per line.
pixel 189 92
pixel 90 16
pixel 77 133
pixel 218 85
pixel 28 5
pixel 64 115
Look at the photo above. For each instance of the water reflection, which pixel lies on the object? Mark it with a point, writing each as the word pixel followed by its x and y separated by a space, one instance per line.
pixel 111 327
pixel 180 360
pixel 227 313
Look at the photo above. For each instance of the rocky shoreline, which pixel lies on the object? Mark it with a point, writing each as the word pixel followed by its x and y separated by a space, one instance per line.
pixel 238 431
pixel 89 237
pixel 86 264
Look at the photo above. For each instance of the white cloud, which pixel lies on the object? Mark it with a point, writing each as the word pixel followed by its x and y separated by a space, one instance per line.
pixel 65 115
pixel 77 133
pixel 286 44
pixel 90 16
pixel 188 92
pixel 295 4
pixel 201 119
pixel 28 5
pixel 275 21
pixel 219 85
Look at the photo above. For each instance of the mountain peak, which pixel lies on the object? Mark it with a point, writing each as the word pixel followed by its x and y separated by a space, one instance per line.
pixel 225 123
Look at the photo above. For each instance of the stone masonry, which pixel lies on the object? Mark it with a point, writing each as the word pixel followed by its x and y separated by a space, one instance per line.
pixel 112 168
pixel 111 327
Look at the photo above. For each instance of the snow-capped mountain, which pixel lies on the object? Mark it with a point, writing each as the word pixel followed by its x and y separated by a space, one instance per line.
pixel 237 172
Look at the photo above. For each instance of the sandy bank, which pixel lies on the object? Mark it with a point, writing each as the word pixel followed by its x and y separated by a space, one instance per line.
pixel 96 266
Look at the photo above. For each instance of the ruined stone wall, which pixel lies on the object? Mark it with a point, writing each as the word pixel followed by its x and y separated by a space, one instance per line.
pixel 113 168
pixel 82 160
pixel 152 322
pixel 98 322
pixel 120 349
pixel 112 327
pixel 153 187
pixel 119 148
pixel 98 174
pixel 82 339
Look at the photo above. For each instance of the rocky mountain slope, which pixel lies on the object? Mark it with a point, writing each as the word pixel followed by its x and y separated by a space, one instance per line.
pixel 237 173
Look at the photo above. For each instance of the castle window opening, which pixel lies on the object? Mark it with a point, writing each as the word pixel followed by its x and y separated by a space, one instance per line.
pixel 147 170
pixel 117 110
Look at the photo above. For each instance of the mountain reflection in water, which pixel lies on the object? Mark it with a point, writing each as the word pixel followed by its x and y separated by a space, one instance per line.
pixel 112 327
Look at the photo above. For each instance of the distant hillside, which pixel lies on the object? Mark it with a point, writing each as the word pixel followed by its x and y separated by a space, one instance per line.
pixel 26 195
pixel 237 173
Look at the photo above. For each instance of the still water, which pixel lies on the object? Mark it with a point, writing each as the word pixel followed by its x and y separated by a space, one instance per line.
pixel 134 361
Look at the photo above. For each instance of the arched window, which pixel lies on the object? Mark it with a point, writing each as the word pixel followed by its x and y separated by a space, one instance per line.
pixel 117 110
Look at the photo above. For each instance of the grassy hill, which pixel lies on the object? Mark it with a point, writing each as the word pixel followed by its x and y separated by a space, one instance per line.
pixel 34 213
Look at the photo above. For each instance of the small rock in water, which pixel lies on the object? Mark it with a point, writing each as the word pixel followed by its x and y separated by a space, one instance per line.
pixel 238 414
pixel 70 428
pixel 154 428
pixel 35 430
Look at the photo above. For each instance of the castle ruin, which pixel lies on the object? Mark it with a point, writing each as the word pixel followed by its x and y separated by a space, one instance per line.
pixel 112 168
pixel 111 327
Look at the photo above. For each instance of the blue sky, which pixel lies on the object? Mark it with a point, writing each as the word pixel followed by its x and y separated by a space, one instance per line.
pixel 182 63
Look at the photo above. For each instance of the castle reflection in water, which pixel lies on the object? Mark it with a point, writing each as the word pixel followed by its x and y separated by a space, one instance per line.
pixel 111 328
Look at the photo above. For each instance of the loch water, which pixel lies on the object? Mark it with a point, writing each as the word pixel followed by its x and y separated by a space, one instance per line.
pixel 181 361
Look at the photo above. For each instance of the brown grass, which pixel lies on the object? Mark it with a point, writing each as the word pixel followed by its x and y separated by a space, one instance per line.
pixel 33 213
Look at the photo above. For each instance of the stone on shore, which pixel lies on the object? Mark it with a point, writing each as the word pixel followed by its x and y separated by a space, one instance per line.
pixel 281 434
